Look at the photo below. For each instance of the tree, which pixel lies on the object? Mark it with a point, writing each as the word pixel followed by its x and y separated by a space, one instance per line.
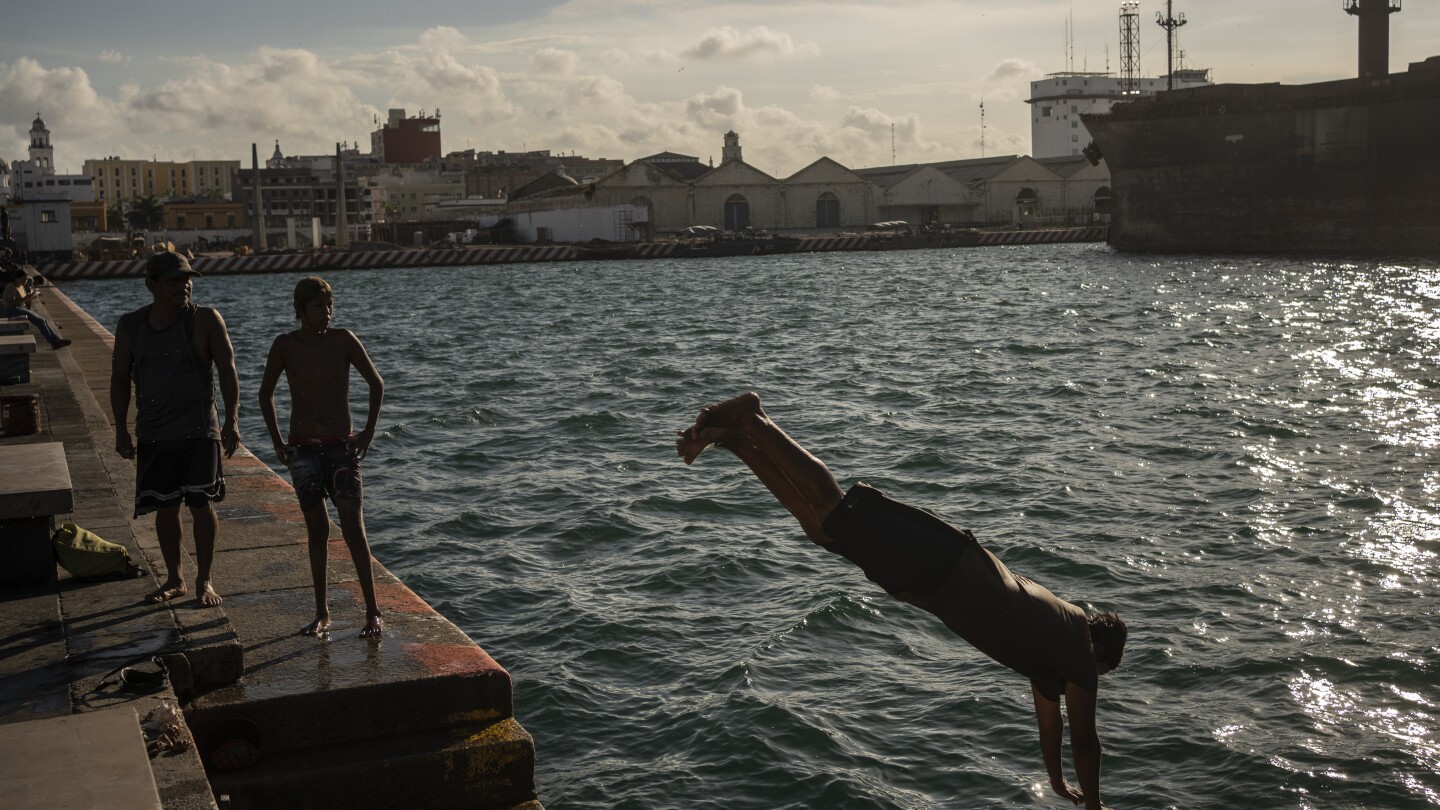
pixel 146 212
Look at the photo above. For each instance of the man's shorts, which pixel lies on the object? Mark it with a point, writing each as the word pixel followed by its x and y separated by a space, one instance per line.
pixel 908 551
pixel 325 470
pixel 168 472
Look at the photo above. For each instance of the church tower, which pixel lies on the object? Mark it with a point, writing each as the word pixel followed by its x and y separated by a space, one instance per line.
pixel 42 155
pixel 732 148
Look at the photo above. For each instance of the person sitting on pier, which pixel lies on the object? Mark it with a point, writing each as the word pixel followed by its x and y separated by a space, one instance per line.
pixel 323 452
pixel 170 348
pixel 920 559
pixel 17 302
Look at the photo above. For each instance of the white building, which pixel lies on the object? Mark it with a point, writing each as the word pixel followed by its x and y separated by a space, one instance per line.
pixel 36 178
pixel 1058 101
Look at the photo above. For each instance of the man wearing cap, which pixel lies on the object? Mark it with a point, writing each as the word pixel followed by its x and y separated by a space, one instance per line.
pixel 170 349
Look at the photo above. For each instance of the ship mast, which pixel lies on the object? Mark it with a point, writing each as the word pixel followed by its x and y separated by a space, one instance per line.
pixel 1130 47
pixel 1170 22
pixel 1374 34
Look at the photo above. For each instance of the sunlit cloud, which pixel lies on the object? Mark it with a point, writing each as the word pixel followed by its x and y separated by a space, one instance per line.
pixel 729 43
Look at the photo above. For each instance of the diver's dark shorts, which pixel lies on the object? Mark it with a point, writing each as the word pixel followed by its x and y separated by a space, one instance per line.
pixel 904 549
pixel 321 471
pixel 168 472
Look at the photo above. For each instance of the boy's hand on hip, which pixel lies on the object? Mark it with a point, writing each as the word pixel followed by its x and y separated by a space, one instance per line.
pixel 282 452
pixel 361 446
pixel 123 446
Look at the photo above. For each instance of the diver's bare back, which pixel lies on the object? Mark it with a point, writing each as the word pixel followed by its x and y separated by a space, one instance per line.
pixel 317 369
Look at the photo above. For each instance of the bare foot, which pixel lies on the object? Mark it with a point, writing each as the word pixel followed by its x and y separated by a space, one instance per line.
pixel 731 413
pixel 170 590
pixel 208 596
pixel 319 627
pixel 690 443
pixel 374 626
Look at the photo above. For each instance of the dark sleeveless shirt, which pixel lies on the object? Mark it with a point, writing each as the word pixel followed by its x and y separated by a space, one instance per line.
pixel 174 387
pixel 921 559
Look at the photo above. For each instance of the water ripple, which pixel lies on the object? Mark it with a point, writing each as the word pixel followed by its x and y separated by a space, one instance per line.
pixel 1239 455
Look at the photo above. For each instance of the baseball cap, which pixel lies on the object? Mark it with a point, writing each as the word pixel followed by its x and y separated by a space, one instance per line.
pixel 168 265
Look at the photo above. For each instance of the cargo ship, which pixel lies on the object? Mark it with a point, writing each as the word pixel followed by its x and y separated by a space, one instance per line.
pixel 1346 167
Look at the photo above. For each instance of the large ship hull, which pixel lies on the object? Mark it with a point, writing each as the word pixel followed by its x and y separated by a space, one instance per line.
pixel 1349 167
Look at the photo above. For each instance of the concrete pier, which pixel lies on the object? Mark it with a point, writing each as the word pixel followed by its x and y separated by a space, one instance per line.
pixel 423 717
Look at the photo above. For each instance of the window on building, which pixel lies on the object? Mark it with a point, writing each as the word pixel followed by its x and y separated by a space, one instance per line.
pixel 1026 202
pixel 229 220
pixel 209 220
pixel 827 211
pixel 180 222
pixel 737 213
pixel 47 215
pixel 1074 124
pixel 1045 112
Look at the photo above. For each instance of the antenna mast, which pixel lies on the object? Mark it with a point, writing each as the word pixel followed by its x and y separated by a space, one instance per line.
pixel 982 127
pixel 892 143
pixel 1170 22
pixel 1130 47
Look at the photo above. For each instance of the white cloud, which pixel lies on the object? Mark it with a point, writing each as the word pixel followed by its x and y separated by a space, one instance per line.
pixel 822 92
pixel 1012 70
pixel 113 56
pixel 730 43
pixel 554 61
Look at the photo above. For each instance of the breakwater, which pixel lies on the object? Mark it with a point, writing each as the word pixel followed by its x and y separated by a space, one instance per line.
pixel 319 261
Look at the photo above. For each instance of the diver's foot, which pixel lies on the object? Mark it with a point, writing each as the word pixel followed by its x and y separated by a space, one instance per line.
pixel 170 590
pixel 732 413
pixel 319 627
pixel 690 443
pixel 208 596
pixel 61 343
pixel 374 626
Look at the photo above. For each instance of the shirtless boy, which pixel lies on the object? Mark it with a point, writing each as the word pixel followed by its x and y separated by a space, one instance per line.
pixel 920 559
pixel 322 452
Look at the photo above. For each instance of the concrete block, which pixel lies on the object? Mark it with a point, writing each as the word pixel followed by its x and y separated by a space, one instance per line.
pixel 34 480
pixel 52 763
pixel 19 326
pixel 305 691
pixel 14 369
pixel 29 558
pixel 17 344
pixel 476 767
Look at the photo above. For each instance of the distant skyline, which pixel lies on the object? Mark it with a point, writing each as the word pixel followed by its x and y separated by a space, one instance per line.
pixel 622 79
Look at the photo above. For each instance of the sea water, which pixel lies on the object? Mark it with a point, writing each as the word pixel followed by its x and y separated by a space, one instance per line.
pixel 1236 454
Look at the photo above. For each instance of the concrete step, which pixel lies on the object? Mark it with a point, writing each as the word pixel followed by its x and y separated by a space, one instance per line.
pixel 474 766
pixel 303 692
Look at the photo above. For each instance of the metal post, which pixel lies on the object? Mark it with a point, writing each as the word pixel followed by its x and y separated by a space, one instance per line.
pixel 258 226
pixel 342 236
pixel 1170 22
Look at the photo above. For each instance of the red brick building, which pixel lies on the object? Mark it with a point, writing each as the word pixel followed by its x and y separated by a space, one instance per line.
pixel 407 140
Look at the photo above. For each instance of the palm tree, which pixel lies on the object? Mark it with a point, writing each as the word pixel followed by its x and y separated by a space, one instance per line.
pixel 146 212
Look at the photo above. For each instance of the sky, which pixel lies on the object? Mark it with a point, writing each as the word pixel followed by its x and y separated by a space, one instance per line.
pixel 865 83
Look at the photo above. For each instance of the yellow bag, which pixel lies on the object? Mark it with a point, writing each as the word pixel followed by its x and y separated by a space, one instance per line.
pixel 87 556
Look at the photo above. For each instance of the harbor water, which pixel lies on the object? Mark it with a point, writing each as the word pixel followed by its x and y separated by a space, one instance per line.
pixel 1239 455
